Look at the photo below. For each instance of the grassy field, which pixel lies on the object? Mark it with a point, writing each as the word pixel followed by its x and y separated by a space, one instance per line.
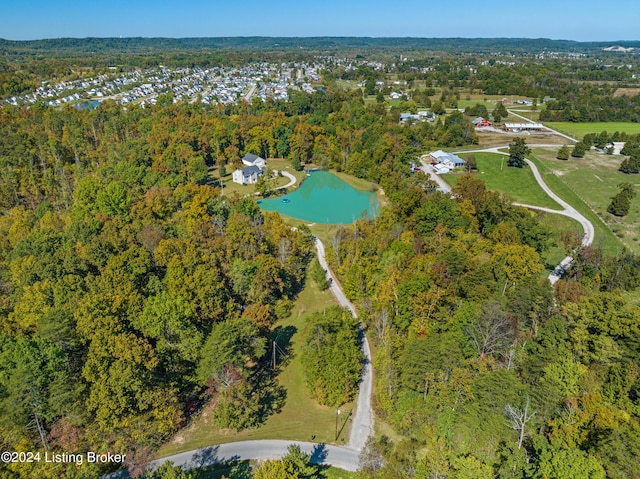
pixel 490 105
pixel 518 183
pixel 300 418
pixel 578 130
pixel 588 184
pixel 557 224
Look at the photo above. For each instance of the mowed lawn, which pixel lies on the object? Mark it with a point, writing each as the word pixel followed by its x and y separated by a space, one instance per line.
pixel 578 130
pixel 518 183
pixel 589 184
pixel 300 418
pixel 556 224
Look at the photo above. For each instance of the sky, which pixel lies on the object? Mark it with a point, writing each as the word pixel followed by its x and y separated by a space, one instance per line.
pixel 581 20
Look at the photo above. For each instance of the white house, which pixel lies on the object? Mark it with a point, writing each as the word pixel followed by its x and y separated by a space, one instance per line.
pixel 248 175
pixel 254 160
pixel 448 160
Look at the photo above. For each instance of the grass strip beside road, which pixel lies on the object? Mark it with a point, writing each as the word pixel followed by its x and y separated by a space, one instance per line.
pixel 578 130
pixel 603 235
pixel 557 224
pixel 517 183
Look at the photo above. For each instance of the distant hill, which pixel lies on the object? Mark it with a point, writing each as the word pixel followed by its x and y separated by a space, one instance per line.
pixel 138 45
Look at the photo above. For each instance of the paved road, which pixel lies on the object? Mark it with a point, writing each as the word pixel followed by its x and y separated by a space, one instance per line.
pixel 342 457
pixel 571 212
pixel 429 170
pixel 252 90
pixel 362 426
pixel 292 180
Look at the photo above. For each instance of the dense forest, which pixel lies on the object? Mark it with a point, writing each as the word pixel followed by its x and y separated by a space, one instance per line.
pixel 483 367
pixel 82 46
pixel 132 291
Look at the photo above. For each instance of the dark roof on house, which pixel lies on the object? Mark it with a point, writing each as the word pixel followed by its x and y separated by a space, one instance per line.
pixel 250 170
pixel 250 157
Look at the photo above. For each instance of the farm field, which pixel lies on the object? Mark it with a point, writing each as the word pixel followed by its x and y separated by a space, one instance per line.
pixel 491 139
pixel 589 184
pixel 490 105
pixel 518 183
pixel 578 130
pixel 300 418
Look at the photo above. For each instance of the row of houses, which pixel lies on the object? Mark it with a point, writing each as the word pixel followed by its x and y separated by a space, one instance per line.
pixel 213 85
pixel 416 117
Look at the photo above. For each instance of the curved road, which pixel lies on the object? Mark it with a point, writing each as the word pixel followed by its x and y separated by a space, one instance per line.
pixel 292 180
pixel 567 209
pixel 341 457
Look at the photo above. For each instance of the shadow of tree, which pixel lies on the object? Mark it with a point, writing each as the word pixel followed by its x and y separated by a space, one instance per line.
pixel 319 454
pixel 204 457
pixel 284 350
pixel 271 397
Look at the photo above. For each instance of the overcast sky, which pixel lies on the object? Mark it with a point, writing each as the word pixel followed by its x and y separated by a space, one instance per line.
pixel 585 20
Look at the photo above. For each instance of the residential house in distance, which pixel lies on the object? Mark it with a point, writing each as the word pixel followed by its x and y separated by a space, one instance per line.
pixel 481 122
pixel 250 174
pixel 420 116
pixel 445 161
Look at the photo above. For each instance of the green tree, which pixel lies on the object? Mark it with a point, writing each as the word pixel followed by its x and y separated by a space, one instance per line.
pixel 471 163
pixel 567 462
pixel 229 348
pixel 579 150
pixel 169 471
pixel 114 199
pixel 619 205
pixel 438 108
pixel 319 275
pixel 630 165
pixel 499 112
pixel 563 153
pixel 518 150
pixel 331 357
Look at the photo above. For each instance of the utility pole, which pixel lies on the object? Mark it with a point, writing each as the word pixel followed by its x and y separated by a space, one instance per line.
pixel 337 417
pixel 274 354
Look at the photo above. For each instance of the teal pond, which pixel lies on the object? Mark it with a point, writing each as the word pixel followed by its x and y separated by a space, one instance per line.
pixel 324 198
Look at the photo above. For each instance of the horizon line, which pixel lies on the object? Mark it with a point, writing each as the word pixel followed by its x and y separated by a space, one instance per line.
pixel 120 37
